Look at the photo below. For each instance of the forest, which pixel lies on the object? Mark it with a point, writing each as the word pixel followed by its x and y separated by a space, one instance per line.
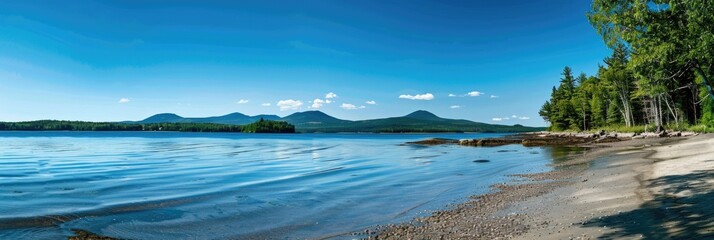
pixel 55 125
pixel 658 77
pixel 268 126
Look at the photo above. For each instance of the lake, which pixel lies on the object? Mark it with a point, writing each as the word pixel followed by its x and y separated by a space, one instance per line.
pixel 169 185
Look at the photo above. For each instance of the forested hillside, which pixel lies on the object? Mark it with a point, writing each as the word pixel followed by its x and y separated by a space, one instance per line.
pixel 261 126
pixel 659 75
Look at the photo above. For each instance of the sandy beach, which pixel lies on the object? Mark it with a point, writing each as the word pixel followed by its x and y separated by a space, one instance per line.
pixel 658 188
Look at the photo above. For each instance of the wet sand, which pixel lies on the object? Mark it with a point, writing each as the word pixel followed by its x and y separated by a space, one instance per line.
pixel 659 192
pixel 658 188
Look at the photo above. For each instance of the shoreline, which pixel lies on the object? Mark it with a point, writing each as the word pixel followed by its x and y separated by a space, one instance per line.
pixel 603 193
pixel 572 203
pixel 660 192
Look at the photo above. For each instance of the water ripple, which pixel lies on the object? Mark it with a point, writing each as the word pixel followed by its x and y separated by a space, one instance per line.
pixel 188 186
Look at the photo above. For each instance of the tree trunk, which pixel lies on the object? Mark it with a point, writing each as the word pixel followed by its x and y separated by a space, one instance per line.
pixel 585 127
pixel 656 113
pixel 671 111
pixel 694 102
pixel 660 117
pixel 627 109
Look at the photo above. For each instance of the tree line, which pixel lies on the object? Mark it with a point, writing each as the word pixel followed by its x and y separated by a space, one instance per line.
pixel 267 126
pixel 658 76
pixel 55 125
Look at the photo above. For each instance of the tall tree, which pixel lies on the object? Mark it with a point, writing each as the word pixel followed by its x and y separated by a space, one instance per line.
pixel 621 80
pixel 598 102
pixel 661 34
pixel 581 101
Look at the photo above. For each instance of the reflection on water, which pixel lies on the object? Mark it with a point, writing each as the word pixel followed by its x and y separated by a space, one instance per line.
pixel 193 185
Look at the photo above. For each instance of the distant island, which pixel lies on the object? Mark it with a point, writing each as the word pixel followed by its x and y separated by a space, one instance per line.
pixel 268 126
pixel 305 122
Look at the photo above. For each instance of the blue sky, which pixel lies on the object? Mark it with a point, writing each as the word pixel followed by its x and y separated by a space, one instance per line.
pixel 127 60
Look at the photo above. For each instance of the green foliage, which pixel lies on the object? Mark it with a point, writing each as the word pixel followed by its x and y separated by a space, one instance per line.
pixel 671 42
pixel 660 73
pixel 268 126
pixel 561 110
pixel 261 126
pixel 54 125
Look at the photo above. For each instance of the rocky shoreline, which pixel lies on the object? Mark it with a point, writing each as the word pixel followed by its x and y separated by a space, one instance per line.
pixel 480 217
pixel 547 205
pixel 553 139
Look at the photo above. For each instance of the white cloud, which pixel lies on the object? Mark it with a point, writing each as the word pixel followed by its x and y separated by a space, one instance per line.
pixel 498 119
pixel 317 103
pixel 455 107
pixel 348 106
pixel 475 94
pixel 524 118
pixel 514 116
pixel 426 96
pixel 124 100
pixel 265 104
pixel 452 95
pixel 242 101
pixel 289 104
pixel 371 102
pixel 494 96
pixel 351 106
pixel 330 95
pixel 328 101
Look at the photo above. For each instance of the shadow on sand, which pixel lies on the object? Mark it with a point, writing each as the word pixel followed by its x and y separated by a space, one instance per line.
pixel 683 210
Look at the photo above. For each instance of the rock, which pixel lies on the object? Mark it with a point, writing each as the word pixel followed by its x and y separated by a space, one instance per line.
pixel 436 141
pixel 84 235
pixel 498 142
pixel 607 139
pixel 555 141
pixel 490 142
pixel 587 135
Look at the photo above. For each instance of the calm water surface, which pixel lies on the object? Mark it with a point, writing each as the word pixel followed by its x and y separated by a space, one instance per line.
pixel 158 185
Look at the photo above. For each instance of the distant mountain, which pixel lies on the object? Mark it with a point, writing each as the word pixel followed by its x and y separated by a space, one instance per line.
pixel 162 118
pixel 418 121
pixel 423 115
pixel 233 118
pixel 313 117
pixel 316 121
